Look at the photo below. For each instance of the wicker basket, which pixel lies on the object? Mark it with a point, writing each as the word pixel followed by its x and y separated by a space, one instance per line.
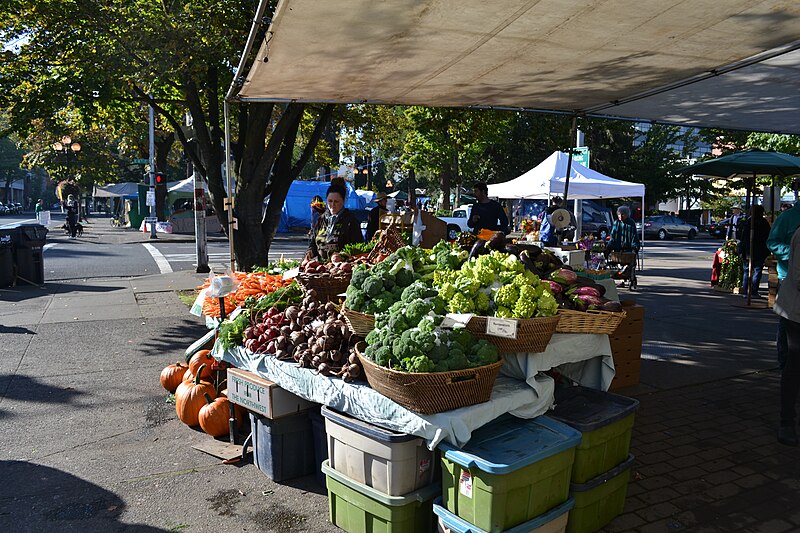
pixel 328 288
pixel 359 323
pixel 533 334
pixel 604 322
pixel 428 393
pixel 389 242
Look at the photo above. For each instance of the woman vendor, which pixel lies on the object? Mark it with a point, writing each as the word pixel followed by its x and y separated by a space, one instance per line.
pixel 336 228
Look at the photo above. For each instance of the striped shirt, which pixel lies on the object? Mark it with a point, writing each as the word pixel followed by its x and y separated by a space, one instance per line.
pixel 623 236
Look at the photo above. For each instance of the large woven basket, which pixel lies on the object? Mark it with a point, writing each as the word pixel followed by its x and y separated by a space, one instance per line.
pixel 327 287
pixel 389 241
pixel 359 323
pixel 604 322
pixel 428 393
pixel 533 334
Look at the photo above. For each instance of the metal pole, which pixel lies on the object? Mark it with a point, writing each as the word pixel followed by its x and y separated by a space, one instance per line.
pixel 153 173
pixel 572 137
pixel 578 207
pixel 200 237
pixel 750 251
pixel 229 182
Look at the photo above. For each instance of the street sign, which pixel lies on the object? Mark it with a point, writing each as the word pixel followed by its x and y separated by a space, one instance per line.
pixel 150 201
pixel 140 161
pixel 581 155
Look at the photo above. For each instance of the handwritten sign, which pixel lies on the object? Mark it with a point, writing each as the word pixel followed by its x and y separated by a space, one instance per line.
pixel 501 327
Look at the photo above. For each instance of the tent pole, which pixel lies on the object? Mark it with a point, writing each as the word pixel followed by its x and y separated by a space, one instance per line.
pixel 229 196
pixel 572 136
pixel 752 233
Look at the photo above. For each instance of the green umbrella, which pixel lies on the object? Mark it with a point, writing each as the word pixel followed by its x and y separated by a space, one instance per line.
pixel 752 162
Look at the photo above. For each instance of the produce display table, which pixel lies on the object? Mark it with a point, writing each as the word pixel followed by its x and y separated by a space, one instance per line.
pixel 523 392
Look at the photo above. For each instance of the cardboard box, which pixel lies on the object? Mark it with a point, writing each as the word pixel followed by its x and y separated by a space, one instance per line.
pixel 626 347
pixel 263 396
pixel 627 374
pixel 634 319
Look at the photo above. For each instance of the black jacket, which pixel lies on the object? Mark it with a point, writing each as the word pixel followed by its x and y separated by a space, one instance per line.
pixel 346 230
pixel 760 235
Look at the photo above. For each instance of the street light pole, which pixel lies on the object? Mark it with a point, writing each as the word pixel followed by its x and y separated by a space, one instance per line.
pixel 151 196
pixel 66 146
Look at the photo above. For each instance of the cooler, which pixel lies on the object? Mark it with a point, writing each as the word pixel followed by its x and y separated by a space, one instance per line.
pixel 511 471
pixel 600 500
pixel 605 421
pixel 391 463
pixel 283 448
pixel 357 508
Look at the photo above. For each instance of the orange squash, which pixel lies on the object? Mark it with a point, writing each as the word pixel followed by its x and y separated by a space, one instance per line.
pixel 172 376
pixel 203 357
pixel 215 414
pixel 190 398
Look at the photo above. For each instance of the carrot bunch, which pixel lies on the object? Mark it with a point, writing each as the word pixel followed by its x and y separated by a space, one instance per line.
pixel 255 284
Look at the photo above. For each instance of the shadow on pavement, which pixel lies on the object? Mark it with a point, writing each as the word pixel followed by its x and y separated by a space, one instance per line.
pixel 174 338
pixel 27 389
pixel 39 498
pixel 17 330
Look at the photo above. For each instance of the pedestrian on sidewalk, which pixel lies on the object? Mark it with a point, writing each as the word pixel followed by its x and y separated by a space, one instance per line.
pixel 760 251
pixel 72 216
pixel 38 209
pixel 787 306
pixel 779 243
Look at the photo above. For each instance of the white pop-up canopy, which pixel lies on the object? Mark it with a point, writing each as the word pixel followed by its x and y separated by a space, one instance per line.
pixel 548 178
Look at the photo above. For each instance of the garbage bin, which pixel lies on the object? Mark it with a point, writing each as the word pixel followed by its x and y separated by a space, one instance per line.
pixel 6 259
pixel 28 252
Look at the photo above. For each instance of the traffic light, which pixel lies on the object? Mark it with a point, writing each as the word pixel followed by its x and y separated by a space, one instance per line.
pixel 161 195
pixel 161 180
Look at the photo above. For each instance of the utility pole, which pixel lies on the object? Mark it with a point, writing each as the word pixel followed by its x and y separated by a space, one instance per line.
pixel 151 193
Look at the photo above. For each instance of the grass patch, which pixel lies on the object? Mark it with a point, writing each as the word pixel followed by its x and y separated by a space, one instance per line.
pixel 187 297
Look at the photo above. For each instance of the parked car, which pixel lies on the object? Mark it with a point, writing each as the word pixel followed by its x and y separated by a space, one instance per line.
pixel 666 227
pixel 458 222
pixel 596 220
pixel 719 229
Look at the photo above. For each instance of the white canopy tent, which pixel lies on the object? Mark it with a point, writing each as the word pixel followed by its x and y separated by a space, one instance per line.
pixel 548 178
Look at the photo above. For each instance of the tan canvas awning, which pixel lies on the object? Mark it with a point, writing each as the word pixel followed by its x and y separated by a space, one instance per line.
pixel 732 64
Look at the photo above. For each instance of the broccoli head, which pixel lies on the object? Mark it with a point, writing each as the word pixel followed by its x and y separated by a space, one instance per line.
pixel 405 277
pixel 373 337
pixel 457 359
pixel 417 291
pixel 507 296
pixel 483 353
pixel 461 337
pixel 419 363
pixel 439 305
pixel 383 356
pixel 373 286
pixel 461 303
pixel 360 275
pixel 439 352
pixel 355 298
pixel 416 310
pixel 398 323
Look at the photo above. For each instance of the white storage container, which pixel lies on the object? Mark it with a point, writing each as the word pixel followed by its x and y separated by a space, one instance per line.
pixel 391 463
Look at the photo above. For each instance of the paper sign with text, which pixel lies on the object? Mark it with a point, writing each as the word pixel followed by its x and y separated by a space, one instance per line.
pixel 501 327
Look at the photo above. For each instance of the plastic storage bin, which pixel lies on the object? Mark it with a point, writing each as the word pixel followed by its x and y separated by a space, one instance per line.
pixel 553 521
pixel 600 500
pixel 28 252
pixel 283 448
pixel 357 508
pixel 392 463
pixel 320 443
pixel 605 421
pixel 510 472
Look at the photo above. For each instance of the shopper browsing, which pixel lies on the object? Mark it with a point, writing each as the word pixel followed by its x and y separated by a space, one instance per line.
pixel 486 213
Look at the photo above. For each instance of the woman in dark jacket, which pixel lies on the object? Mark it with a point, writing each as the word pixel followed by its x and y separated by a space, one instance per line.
pixel 335 228
pixel 760 250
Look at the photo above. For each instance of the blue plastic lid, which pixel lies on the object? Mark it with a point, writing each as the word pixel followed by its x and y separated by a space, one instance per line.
pixel 459 525
pixel 365 428
pixel 510 443
pixel 590 409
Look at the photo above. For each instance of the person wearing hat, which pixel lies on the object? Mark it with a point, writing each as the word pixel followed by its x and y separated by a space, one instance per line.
pixel 72 216
pixel 733 226
pixel 373 222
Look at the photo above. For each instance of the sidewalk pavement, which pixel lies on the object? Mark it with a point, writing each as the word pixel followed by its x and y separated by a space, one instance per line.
pixel 91 445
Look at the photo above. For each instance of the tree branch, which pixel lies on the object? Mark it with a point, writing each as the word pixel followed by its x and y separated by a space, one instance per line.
pixel 324 119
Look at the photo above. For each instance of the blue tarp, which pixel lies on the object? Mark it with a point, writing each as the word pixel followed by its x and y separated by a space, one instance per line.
pixel 296 212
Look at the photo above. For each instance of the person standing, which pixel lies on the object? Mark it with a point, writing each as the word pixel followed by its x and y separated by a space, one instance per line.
pixel 486 213
pixel 760 251
pixel 779 243
pixel 337 227
pixel 787 306
pixel 375 214
pixel 317 208
pixel 733 227
pixel 72 208
pixel 38 209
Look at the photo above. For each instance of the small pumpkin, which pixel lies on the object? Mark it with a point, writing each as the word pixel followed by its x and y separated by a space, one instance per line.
pixel 203 357
pixel 190 398
pixel 172 376
pixel 215 414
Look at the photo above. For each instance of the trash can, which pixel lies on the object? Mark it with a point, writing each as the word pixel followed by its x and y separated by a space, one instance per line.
pixel 6 259
pixel 28 252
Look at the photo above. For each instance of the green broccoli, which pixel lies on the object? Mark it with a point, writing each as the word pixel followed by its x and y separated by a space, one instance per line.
pixel 439 305
pixel 483 353
pixel 355 298
pixel 504 312
pixel 416 310
pixel 439 352
pixel 447 290
pixel 482 302
pixel 419 363
pixel 398 323
pixel 383 356
pixel 461 337
pixel 405 277
pixel 373 337
pixel 360 275
pixel 526 305
pixel 373 286
pixel 417 291
pixel 424 340
pixel 457 359
pixel 383 301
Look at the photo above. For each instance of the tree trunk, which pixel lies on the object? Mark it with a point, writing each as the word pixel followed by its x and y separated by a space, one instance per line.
pixel 444 185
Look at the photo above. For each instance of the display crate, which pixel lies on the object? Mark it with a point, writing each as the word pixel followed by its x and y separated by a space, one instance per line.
pixel 599 501
pixel 283 448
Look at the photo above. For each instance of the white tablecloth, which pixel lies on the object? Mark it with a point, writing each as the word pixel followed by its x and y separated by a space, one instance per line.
pixel 521 390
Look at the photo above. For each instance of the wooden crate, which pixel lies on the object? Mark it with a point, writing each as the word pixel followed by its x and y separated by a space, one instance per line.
pixel 626 347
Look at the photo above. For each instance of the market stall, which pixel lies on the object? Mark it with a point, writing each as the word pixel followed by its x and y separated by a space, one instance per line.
pixel 456 343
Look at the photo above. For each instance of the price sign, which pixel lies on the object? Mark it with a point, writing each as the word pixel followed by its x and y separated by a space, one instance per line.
pixel 501 327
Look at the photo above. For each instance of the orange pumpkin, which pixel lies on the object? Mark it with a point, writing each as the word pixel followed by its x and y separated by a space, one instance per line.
pixel 215 414
pixel 172 376
pixel 203 357
pixel 189 398
pixel 188 376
